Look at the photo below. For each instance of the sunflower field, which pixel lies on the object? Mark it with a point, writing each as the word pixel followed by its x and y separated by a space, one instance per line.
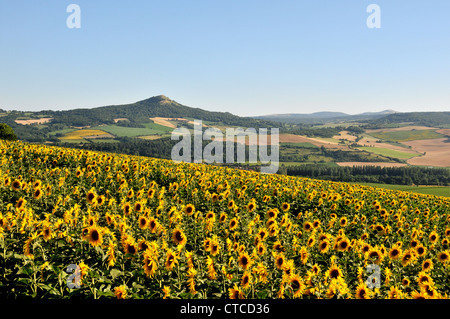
pixel 137 227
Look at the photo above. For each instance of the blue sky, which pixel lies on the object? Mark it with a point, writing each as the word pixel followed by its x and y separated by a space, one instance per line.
pixel 247 57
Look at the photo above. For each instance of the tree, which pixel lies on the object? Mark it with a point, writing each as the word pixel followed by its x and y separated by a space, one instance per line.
pixel 7 133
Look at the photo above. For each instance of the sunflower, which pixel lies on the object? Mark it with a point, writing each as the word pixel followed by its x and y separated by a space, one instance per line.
pixel 233 223
pixel 120 292
pixel 230 204
pixel 171 259
pixel 395 253
pixel 429 291
pixel 394 293
pixel 413 243
pixel 443 257
pixel 215 248
pixel 130 247
pixel 153 224
pixel 130 193
pixel 94 236
pixel 178 237
pixel 16 185
pixel 138 207
pixel 47 232
pixel 91 196
pixel 272 213
pixel 374 255
pixel 251 206
pixel 126 208
pixel 150 265
pixel 207 244
pixel 210 215
pixel 235 292
pixel 311 241
pixel 150 193
pixel 101 200
pixel 421 250
pixel 285 207
pixel 143 222
pixel 20 204
pixel 447 232
pixel 280 260
pixel 334 272
pixel 307 226
pixel 343 244
pixel 222 217
pixel 244 260
pixel 427 265
pixel 189 209
pixel 315 269
pixel 246 280
pixel 343 221
pixel 316 223
pixel 407 258
pixel 362 292
pixel 37 193
pixel 37 184
pixel 262 234
pixel 418 295
pixel 433 237
pixel 211 271
pixel 304 254
pixel 324 246
pixel 166 291
pixel 260 249
pixel 405 282
pixel 297 285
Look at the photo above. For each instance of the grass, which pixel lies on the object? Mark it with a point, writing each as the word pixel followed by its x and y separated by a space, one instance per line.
pixel 121 131
pixel 103 140
pixel 74 141
pixel 327 164
pixel 388 152
pixel 302 145
pixel 429 190
pixel 404 136
pixel 65 131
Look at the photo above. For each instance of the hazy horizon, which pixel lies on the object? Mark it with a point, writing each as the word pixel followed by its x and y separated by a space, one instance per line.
pixel 248 58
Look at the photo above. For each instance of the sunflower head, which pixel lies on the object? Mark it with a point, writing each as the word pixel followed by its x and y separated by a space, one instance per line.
pixel 178 237
pixel 94 236
pixel 189 209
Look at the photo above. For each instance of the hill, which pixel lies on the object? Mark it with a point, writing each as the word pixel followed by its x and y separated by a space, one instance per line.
pixel 432 119
pixel 138 112
pixel 323 117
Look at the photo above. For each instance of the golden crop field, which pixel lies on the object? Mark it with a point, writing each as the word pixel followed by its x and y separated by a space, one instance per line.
pixel 80 134
pixel 139 227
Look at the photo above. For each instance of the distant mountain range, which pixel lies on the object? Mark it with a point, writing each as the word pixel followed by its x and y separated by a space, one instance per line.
pixel 323 117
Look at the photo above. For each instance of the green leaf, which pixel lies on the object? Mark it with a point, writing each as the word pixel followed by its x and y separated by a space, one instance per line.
pixel 115 273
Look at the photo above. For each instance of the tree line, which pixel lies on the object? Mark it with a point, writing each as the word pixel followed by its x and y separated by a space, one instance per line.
pixel 407 175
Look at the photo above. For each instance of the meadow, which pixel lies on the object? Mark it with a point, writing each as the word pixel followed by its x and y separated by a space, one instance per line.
pixel 407 135
pixel 389 152
pixel 138 227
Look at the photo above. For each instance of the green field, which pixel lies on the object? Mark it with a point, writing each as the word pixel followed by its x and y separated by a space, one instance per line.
pixel 328 164
pixel 103 140
pixel 301 145
pixel 388 152
pixel 65 131
pixel 429 190
pixel 404 136
pixel 121 131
